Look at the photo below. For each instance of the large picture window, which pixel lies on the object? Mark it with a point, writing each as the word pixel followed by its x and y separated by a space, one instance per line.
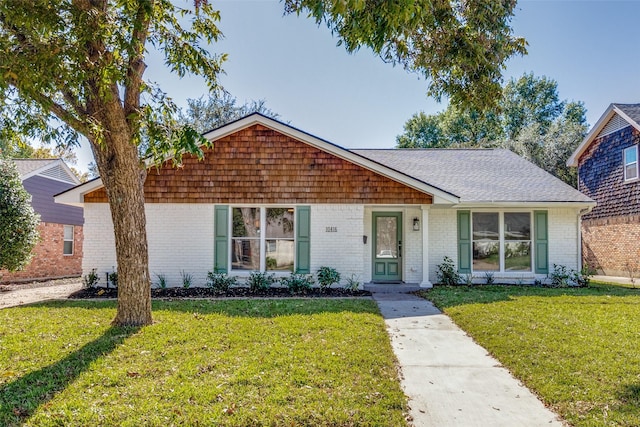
pixel 255 247
pixel 501 241
pixel 631 163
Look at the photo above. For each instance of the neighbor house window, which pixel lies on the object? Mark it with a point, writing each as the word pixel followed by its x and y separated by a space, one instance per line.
pixel 631 163
pixel 67 248
pixel 501 241
pixel 262 239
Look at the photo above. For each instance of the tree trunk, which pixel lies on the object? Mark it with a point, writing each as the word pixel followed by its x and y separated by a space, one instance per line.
pixel 123 180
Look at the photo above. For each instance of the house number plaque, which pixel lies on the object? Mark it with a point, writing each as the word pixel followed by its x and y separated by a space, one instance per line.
pixel 331 229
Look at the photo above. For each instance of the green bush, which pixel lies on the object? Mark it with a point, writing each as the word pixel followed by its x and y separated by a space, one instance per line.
pixel 447 273
pixel 18 221
pixel 162 281
pixel 563 277
pixel 260 281
pixel 352 283
pixel 187 279
pixel 91 279
pixel 327 276
pixel 220 282
pixel 298 283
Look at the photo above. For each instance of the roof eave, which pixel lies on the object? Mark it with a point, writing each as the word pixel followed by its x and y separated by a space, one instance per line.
pixel 75 196
pixel 595 131
pixel 526 204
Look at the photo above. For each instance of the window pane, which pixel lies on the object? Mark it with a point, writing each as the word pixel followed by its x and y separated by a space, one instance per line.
pixel 280 223
pixel 67 248
pixel 630 155
pixel 486 256
pixel 517 226
pixel 485 226
pixel 631 171
pixel 245 254
pixel 68 232
pixel 517 256
pixel 280 255
pixel 246 222
pixel 386 237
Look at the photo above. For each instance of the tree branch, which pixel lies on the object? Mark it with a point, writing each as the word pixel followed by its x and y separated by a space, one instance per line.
pixel 136 65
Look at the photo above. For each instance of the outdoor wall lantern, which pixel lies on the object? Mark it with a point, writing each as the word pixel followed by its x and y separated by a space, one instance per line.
pixel 416 224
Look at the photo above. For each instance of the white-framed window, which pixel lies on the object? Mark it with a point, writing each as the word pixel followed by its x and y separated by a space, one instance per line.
pixel 262 238
pixel 501 241
pixel 631 163
pixel 67 248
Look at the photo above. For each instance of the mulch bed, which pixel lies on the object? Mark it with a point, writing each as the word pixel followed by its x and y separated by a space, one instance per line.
pixel 239 292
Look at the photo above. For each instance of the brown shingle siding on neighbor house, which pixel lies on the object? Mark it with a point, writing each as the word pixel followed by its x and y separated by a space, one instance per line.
pixel 260 165
pixel 601 176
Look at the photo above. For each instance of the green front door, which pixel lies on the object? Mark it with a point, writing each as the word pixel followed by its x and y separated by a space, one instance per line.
pixel 387 246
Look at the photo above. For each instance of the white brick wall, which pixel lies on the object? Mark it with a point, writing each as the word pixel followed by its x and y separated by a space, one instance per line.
pixel 180 237
pixel 342 250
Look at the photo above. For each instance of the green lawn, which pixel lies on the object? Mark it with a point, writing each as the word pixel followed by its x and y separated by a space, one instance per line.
pixel 233 363
pixel 579 349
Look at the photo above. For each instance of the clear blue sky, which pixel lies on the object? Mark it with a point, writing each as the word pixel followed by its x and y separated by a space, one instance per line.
pixel 591 48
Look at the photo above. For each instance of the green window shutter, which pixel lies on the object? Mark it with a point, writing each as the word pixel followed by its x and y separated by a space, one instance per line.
pixel 303 239
pixel 464 242
pixel 221 238
pixel 541 242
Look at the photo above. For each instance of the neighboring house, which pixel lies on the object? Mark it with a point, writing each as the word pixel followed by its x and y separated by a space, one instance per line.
pixel 59 252
pixel 607 162
pixel 269 197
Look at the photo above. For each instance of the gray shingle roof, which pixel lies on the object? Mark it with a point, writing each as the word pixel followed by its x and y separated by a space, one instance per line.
pixel 631 110
pixel 26 166
pixel 478 175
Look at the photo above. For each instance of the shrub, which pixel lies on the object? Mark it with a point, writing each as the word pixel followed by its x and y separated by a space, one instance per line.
pixel 162 281
pixel 298 283
pixel 562 277
pixel 18 221
pixel 260 281
pixel 187 279
pixel 112 278
pixel 220 282
pixel 447 273
pixel 488 278
pixel 91 279
pixel 352 283
pixel 327 276
pixel 467 279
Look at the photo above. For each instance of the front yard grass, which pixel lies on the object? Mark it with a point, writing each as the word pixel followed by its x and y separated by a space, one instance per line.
pixel 202 363
pixel 577 348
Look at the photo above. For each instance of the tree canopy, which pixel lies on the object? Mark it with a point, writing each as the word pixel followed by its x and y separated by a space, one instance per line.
pixel 76 67
pixel 532 122
pixel 18 221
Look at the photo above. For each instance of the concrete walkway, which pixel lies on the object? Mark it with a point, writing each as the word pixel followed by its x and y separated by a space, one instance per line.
pixel 449 379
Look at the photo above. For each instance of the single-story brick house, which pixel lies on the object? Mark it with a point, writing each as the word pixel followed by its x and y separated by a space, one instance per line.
pixel 608 172
pixel 270 197
pixel 59 252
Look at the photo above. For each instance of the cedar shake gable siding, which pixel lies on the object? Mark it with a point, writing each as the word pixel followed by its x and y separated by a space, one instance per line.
pixel 262 166
pixel 601 176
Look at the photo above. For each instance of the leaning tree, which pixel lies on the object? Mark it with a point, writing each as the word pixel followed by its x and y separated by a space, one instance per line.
pixel 76 67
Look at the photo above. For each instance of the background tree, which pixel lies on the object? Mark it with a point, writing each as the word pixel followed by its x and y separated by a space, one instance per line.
pixel 207 113
pixel 533 122
pixel 75 67
pixel 18 221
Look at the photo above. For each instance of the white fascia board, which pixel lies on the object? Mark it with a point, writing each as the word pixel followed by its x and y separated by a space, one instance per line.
pixel 438 195
pixel 525 205
pixel 595 131
pixel 75 196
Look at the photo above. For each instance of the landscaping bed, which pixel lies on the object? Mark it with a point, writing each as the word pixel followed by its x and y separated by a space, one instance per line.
pixel 236 292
